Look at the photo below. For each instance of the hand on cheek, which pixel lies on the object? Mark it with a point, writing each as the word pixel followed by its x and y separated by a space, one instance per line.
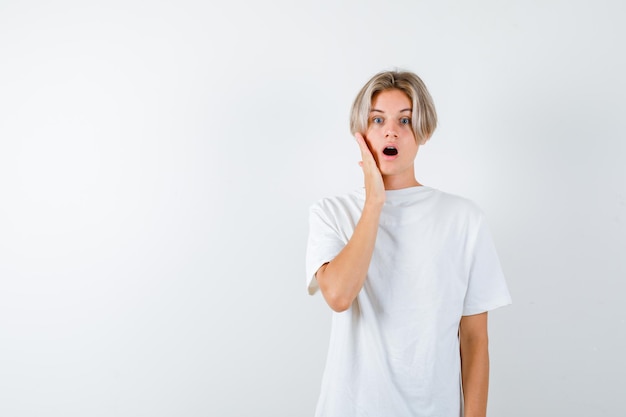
pixel 374 186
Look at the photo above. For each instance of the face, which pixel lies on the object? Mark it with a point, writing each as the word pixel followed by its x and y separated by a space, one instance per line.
pixel 389 135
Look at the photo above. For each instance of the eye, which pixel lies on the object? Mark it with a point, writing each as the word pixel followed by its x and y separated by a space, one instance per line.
pixel 405 121
pixel 377 120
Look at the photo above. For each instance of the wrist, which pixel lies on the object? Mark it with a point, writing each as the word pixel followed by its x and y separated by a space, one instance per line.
pixel 374 204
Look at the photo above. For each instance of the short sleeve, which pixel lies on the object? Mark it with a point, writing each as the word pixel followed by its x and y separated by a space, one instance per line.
pixel 323 245
pixel 487 289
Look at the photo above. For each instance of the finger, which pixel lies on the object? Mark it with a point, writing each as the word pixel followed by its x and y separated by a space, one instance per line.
pixel 365 150
pixel 359 140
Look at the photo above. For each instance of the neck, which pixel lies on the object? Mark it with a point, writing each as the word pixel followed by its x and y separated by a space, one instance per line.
pixel 394 182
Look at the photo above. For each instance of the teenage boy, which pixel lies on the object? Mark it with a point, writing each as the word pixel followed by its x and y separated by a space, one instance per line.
pixel 410 272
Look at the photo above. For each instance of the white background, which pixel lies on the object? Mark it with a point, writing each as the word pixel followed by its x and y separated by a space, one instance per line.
pixel 157 160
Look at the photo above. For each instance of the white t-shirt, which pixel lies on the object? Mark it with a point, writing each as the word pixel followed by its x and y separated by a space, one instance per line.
pixel 395 351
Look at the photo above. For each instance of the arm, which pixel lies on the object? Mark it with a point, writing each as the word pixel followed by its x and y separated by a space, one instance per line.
pixel 474 363
pixel 341 279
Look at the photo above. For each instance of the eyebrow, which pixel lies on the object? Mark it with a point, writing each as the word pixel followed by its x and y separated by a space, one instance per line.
pixel 380 111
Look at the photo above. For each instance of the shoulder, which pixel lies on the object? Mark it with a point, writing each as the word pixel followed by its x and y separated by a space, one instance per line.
pixel 458 204
pixel 336 213
pixel 339 203
pixel 458 212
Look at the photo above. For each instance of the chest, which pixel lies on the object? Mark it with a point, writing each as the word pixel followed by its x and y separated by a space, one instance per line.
pixel 420 265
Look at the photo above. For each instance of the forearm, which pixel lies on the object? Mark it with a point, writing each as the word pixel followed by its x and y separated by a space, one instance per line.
pixel 341 279
pixel 475 373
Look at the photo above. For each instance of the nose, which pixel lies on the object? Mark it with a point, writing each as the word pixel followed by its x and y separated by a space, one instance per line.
pixel 391 133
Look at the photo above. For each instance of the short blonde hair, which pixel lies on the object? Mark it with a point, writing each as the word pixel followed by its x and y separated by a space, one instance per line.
pixel 424 116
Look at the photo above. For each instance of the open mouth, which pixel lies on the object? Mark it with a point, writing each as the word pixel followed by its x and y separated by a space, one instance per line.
pixel 390 150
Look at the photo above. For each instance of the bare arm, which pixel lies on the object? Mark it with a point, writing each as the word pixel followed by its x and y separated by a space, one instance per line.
pixel 474 363
pixel 341 279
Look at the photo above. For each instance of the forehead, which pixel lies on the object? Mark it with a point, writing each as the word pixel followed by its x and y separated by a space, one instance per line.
pixel 391 100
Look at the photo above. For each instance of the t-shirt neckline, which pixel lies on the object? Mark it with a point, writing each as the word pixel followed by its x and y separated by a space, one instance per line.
pixel 401 193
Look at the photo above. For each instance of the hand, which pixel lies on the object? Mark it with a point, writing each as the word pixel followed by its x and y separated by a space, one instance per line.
pixel 374 185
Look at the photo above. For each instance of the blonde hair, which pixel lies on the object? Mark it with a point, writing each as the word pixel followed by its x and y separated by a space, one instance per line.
pixel 424 116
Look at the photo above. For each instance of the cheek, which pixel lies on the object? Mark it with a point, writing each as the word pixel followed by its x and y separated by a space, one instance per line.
pixel 410 133
pixel 372 131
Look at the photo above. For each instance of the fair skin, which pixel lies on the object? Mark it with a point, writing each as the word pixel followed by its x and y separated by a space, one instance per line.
pixel 341 279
